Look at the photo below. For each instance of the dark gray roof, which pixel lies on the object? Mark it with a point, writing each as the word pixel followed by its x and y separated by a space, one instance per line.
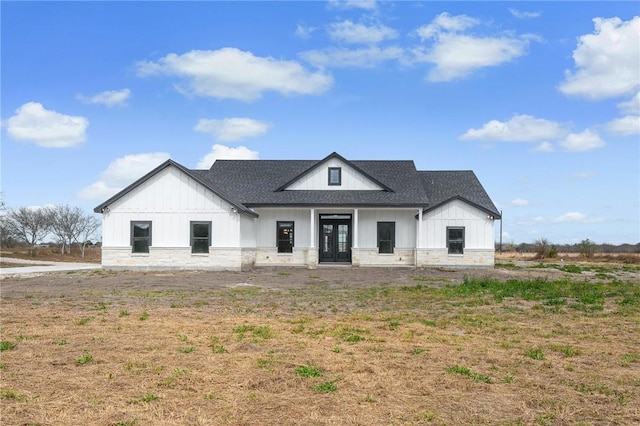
pixel 446 185
pixel 260 183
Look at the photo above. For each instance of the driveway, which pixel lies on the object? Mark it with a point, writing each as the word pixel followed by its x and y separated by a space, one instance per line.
pixel 39 266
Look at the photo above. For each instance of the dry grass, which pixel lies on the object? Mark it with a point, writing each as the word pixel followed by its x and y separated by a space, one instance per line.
pixel 210 354
pixel 91 254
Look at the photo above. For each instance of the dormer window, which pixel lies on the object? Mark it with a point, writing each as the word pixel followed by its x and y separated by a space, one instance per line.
pixel 335 176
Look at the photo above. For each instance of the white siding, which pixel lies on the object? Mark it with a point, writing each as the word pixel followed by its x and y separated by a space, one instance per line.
pixel 478 228
pixel 319 179
pixel 171 200
pixel 405 226
pixel 266 226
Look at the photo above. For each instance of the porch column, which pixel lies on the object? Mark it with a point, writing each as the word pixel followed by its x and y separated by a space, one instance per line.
pixel 355 228
pixel 417 261
pixel 418 242
pixel 312 253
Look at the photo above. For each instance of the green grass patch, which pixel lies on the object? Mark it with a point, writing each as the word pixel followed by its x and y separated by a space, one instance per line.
pixel 326 387
pixel 535 353
pixel 476 377
pixel 6 345
pixel 308 371
pixel 84 359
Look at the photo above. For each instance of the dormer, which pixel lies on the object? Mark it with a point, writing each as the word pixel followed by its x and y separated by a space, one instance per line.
pixel 334 173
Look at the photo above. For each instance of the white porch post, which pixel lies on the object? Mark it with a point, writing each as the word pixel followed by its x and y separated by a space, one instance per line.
pixel 418 239
pixel 418 242
pixel 355 228
pixel 312 254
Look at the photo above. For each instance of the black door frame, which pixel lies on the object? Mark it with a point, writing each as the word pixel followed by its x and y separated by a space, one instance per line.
pixel 335 220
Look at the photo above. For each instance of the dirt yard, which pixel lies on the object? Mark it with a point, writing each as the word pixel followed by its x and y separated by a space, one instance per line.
pixel 332 346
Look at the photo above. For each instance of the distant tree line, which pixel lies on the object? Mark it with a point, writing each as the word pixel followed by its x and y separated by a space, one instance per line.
pixel 543 248
pixel 31 225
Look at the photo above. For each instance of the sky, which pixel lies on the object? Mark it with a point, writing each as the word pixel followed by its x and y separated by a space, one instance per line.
pixel 540 99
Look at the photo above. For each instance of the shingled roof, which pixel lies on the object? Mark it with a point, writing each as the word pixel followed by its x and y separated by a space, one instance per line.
pixel 446 185
pixel 257 183
pixel 262 183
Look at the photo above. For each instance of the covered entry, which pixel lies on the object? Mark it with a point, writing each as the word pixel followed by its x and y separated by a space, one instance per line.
pixel 335 238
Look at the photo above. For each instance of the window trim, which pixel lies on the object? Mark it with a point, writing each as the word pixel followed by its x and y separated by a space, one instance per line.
pixel 279 225
pixel 381 224
pixel 329 181
pixel 134 238
pixel 449 239
pixel 192 238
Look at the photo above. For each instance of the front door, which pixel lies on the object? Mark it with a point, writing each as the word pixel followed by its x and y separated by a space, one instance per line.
pixel 335 238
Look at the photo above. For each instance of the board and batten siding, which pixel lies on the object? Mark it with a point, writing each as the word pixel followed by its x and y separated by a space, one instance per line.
pixel 318 179
pixel 478 228
pixel 266 226
pixel 405 226
pixel 171 200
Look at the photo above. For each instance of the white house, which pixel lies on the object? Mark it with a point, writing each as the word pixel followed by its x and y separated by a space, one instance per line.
pixel 245 213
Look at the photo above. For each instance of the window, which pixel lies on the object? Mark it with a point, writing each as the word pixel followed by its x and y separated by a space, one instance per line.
pixel 285 237
pixel 200 237
pixel 455 240
pixel 335 176
pixel 386 237
pixel 140 236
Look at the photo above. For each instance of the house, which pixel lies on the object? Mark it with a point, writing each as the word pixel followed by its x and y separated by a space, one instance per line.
pixel 245 213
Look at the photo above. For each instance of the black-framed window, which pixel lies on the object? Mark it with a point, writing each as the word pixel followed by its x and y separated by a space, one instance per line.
pixel 285 237
pixel 455 240
pixel 140 236
pixel 386 237
pixel 200 237
pixel 335 176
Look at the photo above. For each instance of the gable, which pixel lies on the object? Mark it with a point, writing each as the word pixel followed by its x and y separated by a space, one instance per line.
pixel 170 190
pixel 318 178
pixel 175 175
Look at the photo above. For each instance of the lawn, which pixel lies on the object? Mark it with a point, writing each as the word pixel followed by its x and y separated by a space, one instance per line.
pixel 315 347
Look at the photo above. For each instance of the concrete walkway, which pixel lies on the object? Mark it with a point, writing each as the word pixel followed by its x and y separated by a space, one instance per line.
pixel 41 267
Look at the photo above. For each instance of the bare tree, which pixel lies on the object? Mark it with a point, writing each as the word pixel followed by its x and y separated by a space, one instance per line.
pixel 90 224
pixel 30 225
pixel 67 225
pixel 542 248
pixel 7 239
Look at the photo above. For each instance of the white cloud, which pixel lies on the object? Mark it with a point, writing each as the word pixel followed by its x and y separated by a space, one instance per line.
pixel 304 32
pixel 585 141
pixel 370 5
pixel 232 129
pixel 576 217
pixel 230 73
pixel 349 32
pixel 520 128
pixel 457 55
pixel 109 98
pixel 627 125
pixel 120 173
pixel 582 175
pixel 447 23
pixel 358 58
pixel 524 15
pixel 222 152
pixel 544 147
pixel 33 123
pixel 520 202
pixel 607 61
pixel 632 106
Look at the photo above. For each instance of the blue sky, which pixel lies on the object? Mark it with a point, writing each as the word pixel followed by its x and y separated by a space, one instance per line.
pixel 540 99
